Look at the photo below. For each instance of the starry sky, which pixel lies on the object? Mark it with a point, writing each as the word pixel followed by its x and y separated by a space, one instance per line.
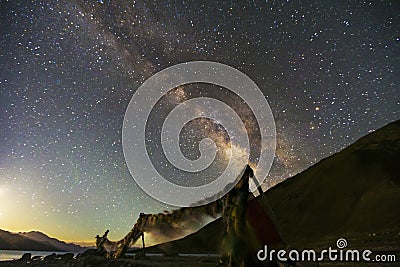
pixel 68 70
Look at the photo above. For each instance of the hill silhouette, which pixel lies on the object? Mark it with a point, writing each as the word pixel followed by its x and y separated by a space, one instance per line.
pixel 353 194
pixel 34 241
pixel 60 245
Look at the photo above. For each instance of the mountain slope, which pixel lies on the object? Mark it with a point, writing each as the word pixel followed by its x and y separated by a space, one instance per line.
pixel 352 194
pixel 13 241
pixel 60 245
pixel 206 240
pixel 34 241
pixel 355 191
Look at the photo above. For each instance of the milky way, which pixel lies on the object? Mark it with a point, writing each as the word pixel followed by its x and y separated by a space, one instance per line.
pixel 69 68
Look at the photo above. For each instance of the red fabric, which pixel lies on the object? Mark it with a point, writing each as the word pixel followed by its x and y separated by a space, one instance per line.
pixel 261 224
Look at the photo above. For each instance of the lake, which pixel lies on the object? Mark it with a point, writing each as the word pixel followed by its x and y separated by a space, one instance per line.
pixel 6 255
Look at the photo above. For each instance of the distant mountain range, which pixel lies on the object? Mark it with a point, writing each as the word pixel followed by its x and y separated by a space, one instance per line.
pixel 353 194
pixel 35 241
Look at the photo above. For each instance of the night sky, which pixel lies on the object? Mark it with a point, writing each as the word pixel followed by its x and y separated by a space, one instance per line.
pixel 68 69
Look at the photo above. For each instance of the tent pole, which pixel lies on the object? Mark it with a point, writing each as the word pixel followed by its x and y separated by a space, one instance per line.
pixel 143 246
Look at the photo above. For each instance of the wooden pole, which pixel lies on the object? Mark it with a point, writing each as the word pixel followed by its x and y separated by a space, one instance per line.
pixel 143 246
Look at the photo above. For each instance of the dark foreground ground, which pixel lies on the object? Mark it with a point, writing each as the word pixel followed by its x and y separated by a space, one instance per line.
pixel 380 243
pixel 171 262
pixel 88 259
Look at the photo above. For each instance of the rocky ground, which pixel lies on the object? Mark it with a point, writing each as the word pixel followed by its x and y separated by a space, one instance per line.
pixel 89 258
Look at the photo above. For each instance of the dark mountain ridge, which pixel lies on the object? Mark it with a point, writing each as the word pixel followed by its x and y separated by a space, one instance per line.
pixel 35 241
pixel 353 194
